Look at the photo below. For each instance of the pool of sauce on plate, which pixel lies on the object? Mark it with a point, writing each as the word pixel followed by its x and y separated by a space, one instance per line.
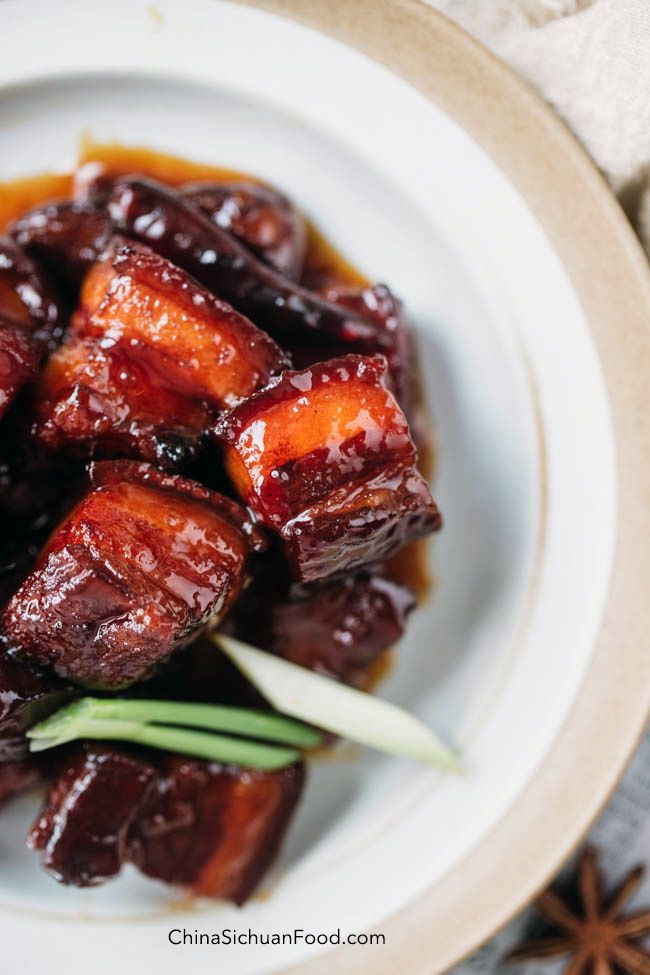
pixel 323 263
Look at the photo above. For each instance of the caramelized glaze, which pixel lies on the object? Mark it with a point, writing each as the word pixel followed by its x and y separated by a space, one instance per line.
pixel 324 266
pixel 143 560
pixel 324 458
pixel 141 564
pixel 150 360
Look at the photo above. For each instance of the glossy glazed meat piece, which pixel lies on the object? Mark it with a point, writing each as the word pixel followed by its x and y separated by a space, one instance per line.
pixel 140 565
pixel 311 432
pixel 209 828
pixel 337 628
pixel 15 778
pixel 96 402
pixel 83 829
pixel 263 219
pixel 196 343
pixel 25 699
pixel 324 458
pixel 152 359
pixel 67 237
pixel 215 829
pixel 174 228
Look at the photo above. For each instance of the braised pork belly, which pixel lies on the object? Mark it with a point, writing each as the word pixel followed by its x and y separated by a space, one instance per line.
pixel 83 829
pixel 152 358
pixel 339 628
pixel 324 458
pixel 215 829
pixel 292 314
pixel 142 563
pixel 211 829
pixel 206 423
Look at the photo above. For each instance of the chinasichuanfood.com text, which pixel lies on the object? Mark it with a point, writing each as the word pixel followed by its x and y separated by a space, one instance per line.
pixel 231 936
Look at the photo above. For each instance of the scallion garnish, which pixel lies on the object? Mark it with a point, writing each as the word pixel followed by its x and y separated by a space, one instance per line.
pixel 154 723
pixel 335 707
pixel 292 690
pixel 214 717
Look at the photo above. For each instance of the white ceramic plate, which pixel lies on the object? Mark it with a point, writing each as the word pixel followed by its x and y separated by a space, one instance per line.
pixel 527 474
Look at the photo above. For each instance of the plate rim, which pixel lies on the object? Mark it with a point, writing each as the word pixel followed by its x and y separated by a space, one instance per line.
pixel 578 211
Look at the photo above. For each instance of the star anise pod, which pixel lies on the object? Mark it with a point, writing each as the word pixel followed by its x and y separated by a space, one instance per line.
pixel 599 939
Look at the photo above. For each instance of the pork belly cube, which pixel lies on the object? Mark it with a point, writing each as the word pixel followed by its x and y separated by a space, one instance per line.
pixel 338 628
pixel 103 402
pixel 215 829
pixel 152 360
pixel 261 217
pixel 141 564
pixel 17 777
pixel 324 458
pixel 209 828
pixel 26 698
pixel 196 342
pixel 83 828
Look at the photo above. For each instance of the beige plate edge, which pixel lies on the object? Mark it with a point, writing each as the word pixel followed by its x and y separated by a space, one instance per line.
pixel 610 273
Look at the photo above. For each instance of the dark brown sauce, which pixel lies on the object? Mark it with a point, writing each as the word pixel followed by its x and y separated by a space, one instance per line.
pixel 323 263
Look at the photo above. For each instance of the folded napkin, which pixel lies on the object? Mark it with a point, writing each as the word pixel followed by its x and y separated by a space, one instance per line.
pixel 590 59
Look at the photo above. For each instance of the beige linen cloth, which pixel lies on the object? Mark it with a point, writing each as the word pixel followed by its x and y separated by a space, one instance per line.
pixel 590 59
